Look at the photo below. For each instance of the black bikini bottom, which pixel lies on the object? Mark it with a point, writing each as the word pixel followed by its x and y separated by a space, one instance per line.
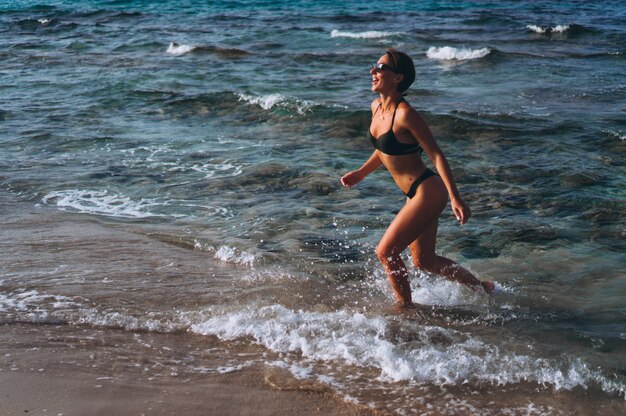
pixel 427 174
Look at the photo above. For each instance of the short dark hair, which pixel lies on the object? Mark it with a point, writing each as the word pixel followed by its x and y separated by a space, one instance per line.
pixel 402 64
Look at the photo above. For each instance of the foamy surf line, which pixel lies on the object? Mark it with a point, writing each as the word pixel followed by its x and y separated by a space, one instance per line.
pixel 34 306
pixel 33 301
pixel 178 50
pixel 548 29
pixel 449 53
pixel 274 101
pixel 357 340
pixel 435 355
pixel 101 203
pixel 370 34
pixel 228 254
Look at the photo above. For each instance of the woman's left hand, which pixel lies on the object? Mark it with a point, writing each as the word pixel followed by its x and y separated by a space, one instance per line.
pixel 461 211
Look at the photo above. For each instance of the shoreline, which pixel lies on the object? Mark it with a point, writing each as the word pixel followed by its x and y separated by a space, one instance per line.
pixel 50 367
pixel 58 381
pixel 86 332
pixel 76 393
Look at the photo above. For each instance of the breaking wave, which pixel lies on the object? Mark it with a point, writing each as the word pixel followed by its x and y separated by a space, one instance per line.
pixel 370 34
pixel 438 355
pixel 448 53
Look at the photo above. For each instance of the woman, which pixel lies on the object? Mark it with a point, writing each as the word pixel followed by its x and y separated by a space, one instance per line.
pixel 398 135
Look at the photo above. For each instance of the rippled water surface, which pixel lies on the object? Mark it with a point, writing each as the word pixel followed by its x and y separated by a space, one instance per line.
pixel 174 168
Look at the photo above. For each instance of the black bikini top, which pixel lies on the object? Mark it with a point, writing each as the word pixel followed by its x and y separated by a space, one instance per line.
pixel 389 144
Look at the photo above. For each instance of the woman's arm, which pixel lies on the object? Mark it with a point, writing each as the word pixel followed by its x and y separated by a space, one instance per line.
pixel 419 129
pixel 352 178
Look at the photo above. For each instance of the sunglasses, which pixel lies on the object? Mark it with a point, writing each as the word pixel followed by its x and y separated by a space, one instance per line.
pixel 378 68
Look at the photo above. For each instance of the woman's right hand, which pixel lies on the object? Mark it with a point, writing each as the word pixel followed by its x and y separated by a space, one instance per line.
pixel 352 178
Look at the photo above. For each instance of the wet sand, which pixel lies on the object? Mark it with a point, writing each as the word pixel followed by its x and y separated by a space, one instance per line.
pixel 52 381
pixel 50 367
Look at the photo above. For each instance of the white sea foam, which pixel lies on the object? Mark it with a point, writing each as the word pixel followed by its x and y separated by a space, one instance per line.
pixel 370 34
pixel 436 355
pixel 219 170
pixel 34 306
pixel 147 153
pixel 231 369
pixel 537 29
pixel 15 301
pixel 43 21
pixel 100 202
pixel 150 321
pixel 548 29
pixel 358 340
pixel 31 299
pixel 266 102
pixel 177 50
pixel 431 290
pixel 448 53
pixel 617 134
pixel 560 28
pixel 228 254
pixel 270 101
pixel 165 157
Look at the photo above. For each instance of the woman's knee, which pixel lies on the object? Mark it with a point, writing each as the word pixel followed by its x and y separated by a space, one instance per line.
pixel 385 253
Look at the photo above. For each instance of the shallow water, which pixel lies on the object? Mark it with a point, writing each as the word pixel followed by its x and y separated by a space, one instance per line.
pixel 175 169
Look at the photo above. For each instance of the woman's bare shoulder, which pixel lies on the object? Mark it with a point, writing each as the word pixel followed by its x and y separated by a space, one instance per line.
pixel 408 113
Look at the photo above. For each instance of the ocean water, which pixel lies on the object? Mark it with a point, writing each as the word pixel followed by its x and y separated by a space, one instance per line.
pixel 173 168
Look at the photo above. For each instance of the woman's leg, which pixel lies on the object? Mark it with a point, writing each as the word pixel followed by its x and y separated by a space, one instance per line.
pixel 415 218
pixel 425 258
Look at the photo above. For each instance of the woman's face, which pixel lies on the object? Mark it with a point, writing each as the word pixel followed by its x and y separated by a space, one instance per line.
pixel 384 80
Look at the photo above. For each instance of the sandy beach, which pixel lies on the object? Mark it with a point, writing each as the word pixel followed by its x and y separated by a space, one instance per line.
pixel 48 367
pixel 50 380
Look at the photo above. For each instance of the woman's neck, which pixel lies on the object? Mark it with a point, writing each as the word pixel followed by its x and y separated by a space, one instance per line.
pixel 389 102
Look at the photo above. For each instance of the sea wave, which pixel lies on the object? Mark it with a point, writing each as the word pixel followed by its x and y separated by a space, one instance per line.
pixel 442 356
pixel 370 34
pixel 211 170
pixel 266 102
pixel 241 102
pixel 615 134
pixel 151 321
pixel 32 301
pixel 230 53
pixel 167 158
pixel 178 50
pixel 100 202
pixel 449 53
pixel 32 24
pixel 561 29
pixel 432 354
pixel 274 101
pixel 228 254
pixel 34 306
pixel 548 29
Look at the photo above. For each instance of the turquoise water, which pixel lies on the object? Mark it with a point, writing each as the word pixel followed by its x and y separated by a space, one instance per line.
pixel 224 128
